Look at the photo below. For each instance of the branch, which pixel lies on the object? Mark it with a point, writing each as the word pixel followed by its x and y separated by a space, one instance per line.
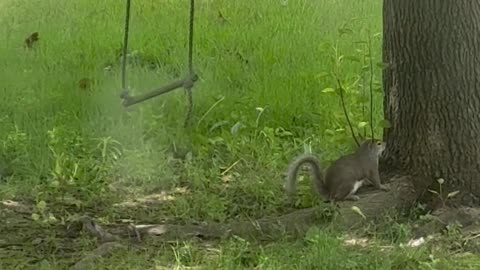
pixel 342 99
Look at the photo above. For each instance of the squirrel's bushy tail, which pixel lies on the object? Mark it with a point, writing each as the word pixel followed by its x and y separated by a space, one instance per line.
pixel 292 172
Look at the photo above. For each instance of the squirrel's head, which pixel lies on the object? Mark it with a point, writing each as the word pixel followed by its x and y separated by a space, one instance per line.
pixel 373 147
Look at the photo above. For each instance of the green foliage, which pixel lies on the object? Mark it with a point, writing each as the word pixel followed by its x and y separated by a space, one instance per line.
pixel 80 164
pixel 13 152
pixel 270 74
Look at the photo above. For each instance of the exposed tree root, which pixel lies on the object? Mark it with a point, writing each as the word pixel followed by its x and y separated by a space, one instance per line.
pixel 371 205
pixel 467 218
pixel 104 249
pixel 350 215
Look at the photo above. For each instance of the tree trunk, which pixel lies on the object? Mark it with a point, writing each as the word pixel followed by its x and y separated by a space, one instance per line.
pixel 432 93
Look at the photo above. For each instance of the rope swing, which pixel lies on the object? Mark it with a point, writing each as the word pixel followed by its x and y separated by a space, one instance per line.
pixel 187 82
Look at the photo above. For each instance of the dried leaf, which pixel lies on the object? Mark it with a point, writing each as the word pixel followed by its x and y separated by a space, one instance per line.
pixel 221 18
pixel 84 83
pixel 30 40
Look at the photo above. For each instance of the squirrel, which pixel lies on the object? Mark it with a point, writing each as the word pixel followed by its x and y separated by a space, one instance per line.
pixel 345 175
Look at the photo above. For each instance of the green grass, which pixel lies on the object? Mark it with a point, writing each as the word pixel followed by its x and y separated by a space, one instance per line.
pixel 68 146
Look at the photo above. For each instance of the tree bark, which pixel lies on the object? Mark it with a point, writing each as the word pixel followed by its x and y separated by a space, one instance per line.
pixel 432 93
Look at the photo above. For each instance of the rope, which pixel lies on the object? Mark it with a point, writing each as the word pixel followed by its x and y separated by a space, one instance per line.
pixel 125 47
pixel 189 83
pixel 190 37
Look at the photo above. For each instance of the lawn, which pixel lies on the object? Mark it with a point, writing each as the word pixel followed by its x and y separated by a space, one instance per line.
pixel 267 70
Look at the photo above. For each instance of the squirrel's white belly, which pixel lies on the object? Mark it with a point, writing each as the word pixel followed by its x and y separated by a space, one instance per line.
pixel 356 186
